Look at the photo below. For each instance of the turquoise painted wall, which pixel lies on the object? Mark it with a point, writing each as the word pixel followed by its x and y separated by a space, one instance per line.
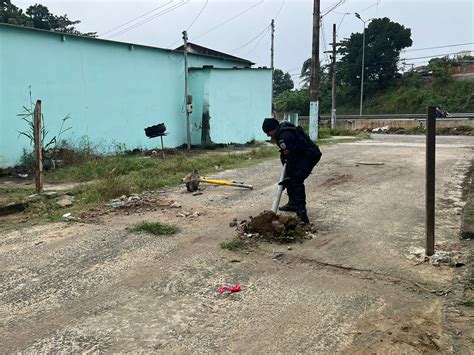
pixel 111 90
pixel 236 113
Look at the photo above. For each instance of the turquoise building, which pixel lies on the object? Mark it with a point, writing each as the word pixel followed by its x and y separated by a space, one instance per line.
pixel 113 90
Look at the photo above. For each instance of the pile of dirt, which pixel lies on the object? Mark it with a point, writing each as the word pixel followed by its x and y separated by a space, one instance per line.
pixel 271 227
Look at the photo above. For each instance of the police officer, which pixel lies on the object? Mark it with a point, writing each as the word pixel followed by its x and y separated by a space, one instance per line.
pixel 301 155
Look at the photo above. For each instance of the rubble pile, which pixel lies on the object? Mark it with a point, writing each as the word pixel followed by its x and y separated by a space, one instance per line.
pixel 271 227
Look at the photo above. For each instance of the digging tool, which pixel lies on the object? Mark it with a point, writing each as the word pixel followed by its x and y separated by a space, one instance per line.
pixel 192 182
pixel 276 201
pixel 227 183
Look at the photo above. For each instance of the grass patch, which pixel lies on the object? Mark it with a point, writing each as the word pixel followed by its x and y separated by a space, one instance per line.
pixel 232 245
pixel 155 228
pixel 469 303
pixel 112 176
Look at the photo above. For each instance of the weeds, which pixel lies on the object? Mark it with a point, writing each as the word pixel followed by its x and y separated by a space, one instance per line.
pixel 232 245
pixel 155 228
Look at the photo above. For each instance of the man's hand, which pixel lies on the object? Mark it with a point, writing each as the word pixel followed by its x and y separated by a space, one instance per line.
pixel 285 182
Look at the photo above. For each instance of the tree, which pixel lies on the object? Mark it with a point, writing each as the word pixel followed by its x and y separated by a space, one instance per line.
pixel 281 82
pixel 384 40
pixel 12 15
pixel 305 75
pixel 293 101
pixel 38 16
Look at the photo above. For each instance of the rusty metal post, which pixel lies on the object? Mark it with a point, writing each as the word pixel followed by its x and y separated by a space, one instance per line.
pixel 162 148
pixel 430 179
pixel 38 148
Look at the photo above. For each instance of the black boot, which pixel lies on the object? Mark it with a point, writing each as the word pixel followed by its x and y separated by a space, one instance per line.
pixel 288 208
pixel 303 216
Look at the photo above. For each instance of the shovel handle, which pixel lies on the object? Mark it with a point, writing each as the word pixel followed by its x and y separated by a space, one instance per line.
pixel 276 201
pixel 227 183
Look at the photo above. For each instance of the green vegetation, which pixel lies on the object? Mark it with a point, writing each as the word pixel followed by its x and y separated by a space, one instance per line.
pixel 386 90
pixel 113 176
pixel 155 228
pixel 410 94
pixel 38 16
pixel 232 245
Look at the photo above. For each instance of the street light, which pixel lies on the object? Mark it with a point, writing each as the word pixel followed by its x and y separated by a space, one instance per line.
pixel 363 58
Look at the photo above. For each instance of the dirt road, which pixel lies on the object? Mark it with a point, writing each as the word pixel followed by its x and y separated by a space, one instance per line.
pixel 80 287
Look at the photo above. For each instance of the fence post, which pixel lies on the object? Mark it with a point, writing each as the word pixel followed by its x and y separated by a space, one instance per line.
pixel 38 148
pixel 430 179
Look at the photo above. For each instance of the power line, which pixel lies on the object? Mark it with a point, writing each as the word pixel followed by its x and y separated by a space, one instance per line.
pixel 199 14
pixel 192 23
pixel 151 18
pixel 450 45
pixel 253 39
pixel 430 56
pixel 136 18
pixel 281 7
pixel 230 19
pixel 332 8
pixel 256 44
pixel 342 19
pixel 324 41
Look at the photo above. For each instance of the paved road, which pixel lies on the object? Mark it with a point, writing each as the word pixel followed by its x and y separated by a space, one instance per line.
pixel 354 287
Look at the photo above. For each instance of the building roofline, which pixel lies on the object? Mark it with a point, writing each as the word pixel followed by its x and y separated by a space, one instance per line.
pixel 24 28
pixel 210 67
pixel 210 51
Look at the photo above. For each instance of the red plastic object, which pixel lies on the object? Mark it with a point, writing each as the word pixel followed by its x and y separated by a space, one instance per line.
pixel 229 289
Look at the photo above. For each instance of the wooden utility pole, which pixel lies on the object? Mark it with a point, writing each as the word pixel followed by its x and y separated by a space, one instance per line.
pixel 38 148
pixel 333 91
pixel 272 56
pixel 315 81
pixel 186 98
pixel 430 179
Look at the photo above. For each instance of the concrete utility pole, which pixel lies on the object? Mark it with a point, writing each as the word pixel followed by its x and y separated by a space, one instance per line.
pixel 188 124
pixel 315 81
pixel 430 180
pixel 272 56
pixel 333 91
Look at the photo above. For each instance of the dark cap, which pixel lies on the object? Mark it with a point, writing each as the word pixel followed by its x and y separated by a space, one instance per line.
pixel 269 124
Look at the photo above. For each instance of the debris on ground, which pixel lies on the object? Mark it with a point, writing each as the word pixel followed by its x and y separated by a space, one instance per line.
pixel 229 289
pixel 65 201
pixel 192 181
pixel 271 227
pixel 68 217
pixel 439 258
pixel 380 129
pixel 191 215
pixel 136 203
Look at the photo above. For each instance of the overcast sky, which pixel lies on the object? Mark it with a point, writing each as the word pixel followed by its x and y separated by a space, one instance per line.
pixel 231 25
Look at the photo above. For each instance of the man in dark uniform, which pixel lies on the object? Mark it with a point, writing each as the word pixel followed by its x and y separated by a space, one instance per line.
pixel 301 155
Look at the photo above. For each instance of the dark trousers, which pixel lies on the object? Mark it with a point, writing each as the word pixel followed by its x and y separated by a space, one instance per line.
pixel 298 174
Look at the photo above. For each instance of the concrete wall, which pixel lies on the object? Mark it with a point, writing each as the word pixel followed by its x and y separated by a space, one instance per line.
pixel 111 90
pixel 236 114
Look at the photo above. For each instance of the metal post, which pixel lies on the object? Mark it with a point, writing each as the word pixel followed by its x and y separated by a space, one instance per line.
pixel 188 124
pixel 38 148
pixel 271 57
pixel 333 91
pixel 162 148
pixel 362 75
pixel 314 82
pixel 430 179
pixel 276 200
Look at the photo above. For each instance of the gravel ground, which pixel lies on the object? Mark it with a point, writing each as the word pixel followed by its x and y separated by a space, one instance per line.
pixel 356 286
